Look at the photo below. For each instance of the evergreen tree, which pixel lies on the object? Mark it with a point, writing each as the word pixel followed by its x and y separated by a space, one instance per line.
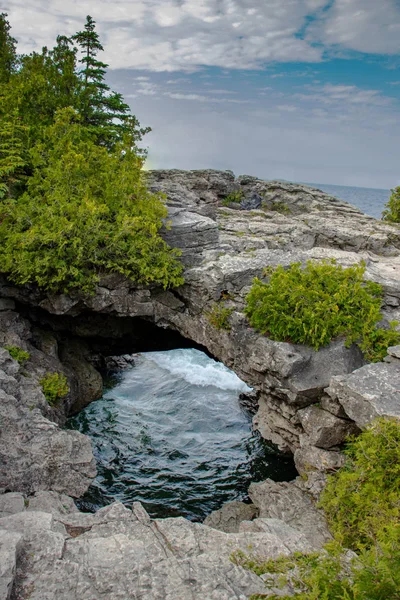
pixel 101 109
pixel 8 55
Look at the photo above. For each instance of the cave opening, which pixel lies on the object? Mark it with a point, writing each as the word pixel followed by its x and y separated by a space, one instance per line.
pixel 172 427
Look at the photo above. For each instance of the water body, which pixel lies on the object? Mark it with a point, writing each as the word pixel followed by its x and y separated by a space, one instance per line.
pixel 371 201
pixel 172 434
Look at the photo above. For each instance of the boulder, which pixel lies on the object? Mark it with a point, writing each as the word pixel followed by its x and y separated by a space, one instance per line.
pixel 10 543
pixel 310 458
pixel 370 392
pixel 323 429
pixel 288 503
pixel 229 517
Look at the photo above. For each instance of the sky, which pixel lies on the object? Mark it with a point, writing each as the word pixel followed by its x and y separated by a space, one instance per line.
pixel 302 90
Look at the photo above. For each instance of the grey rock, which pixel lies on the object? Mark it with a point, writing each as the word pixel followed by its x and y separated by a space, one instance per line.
pixel 11 503
pixel 35 454
pixel 229 517
pixel 122 555
pixel 370 392
pixel 394 351
pixel 51 502
pixel 310 458
pixel 332 360
pixel 10 543
pixel 323 428
pixel 119 363
pixel 223 250
pixel 277 527
pixel 7 304
pixel 288 503
pixel 332 405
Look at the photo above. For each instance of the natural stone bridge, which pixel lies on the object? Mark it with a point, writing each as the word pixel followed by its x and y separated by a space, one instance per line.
pixel 223 248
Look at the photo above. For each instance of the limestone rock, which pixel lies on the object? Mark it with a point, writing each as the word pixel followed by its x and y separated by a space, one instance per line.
pixel 310 458
pixel 323 428
pixel 35 454
pixel 10 543
pixel 11 503
pixel 394 351
pixel 288 503
pixel 370 392
pixel 229 517
pixel 123 555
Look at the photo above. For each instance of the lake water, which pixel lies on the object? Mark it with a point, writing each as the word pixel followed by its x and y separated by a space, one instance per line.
pixel 370 201
pixel 172 434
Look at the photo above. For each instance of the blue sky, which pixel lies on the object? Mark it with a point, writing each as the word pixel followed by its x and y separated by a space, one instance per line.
pixel 304 90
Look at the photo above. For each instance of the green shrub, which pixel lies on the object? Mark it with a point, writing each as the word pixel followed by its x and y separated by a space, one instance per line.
pixel 364 496
pixel 362 504
pixel 280 207
pixel 18 354
pixel 54 386
pixel 392 212
pixel 219 315
pixel 234 196
pixel 322 301
pixel 86 212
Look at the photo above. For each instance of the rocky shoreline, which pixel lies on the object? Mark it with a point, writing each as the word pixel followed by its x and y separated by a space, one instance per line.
pixel 308 401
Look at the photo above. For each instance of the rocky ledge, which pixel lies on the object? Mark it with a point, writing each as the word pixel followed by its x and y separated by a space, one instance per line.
pixel 308 401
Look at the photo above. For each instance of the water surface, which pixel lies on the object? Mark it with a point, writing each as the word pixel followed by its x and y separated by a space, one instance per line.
pixel 171 433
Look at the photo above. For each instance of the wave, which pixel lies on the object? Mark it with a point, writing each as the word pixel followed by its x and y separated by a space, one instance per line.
pixel 198 369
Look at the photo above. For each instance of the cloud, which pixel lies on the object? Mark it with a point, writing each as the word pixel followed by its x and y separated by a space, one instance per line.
pixel 371 26
pixel 344 95
pixel 175 35
pixel 203 98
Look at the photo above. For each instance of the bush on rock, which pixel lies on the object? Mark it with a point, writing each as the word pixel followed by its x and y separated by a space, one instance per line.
pixel 392 211
pixel 322 301
pixel 362 505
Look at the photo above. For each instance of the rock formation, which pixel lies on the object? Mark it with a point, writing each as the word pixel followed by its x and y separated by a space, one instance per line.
pixel 308 401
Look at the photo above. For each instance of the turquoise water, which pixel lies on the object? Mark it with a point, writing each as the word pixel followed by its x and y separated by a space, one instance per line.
pixel 172 434
pixel 371 201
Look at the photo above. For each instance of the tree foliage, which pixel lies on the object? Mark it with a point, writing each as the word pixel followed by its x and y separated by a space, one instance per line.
pixel 322 301
pixel 73 202
pixel 102 110
pixel 86 212
pixel 392 210
pixel 8 53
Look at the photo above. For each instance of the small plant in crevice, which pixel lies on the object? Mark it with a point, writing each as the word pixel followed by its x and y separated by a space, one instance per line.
pixel 280 207
pixel 54 386
pixel 219 315
pixel 320 302
pixel 18 354
pixel 234 196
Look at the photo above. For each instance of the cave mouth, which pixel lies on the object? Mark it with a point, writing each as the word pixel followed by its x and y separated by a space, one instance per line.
pixel 171 432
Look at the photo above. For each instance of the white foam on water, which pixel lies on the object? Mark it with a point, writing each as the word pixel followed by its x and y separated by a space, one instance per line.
pixel 198 369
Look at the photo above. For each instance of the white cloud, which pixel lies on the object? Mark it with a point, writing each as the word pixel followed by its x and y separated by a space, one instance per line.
pixel 361 25
pixel 203 98
pixel 175 35
pixel 344 95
